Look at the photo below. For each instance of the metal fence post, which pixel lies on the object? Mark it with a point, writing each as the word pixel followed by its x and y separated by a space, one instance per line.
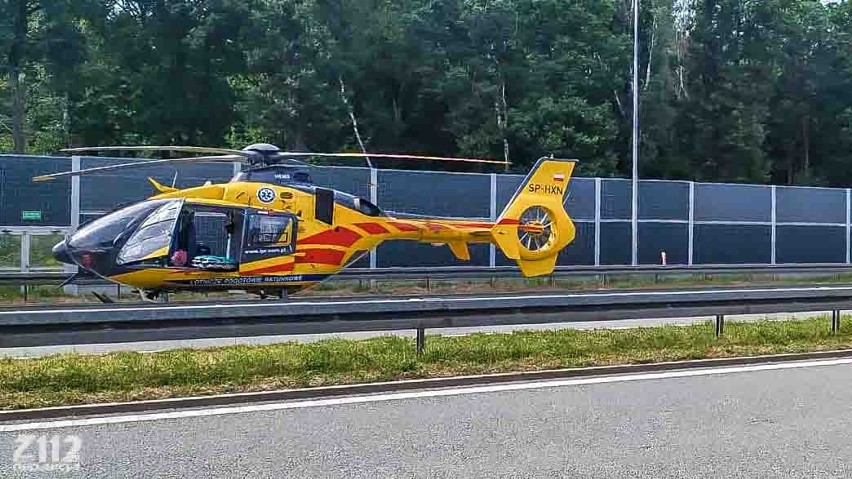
pixel 774 216
pixel 374 198
pixel 75 194
pixel 848 213
pixel 597 221
pixel 25 251
pixel 492 254
pixel 691 246
pixel 75 217
pixel 25 261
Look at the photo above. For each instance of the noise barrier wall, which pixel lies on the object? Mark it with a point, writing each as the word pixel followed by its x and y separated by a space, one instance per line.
pixel 693 223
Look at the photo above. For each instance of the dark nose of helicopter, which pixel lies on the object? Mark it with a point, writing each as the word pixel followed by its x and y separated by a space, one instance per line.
pixel 61 254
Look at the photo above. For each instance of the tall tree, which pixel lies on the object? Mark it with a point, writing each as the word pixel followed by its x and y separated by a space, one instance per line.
pixel 721 125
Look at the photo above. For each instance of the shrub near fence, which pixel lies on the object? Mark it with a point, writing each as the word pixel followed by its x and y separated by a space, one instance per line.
pixel 694 223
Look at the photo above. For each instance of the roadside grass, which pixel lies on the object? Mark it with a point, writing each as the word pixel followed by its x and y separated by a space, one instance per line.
pixel 123 376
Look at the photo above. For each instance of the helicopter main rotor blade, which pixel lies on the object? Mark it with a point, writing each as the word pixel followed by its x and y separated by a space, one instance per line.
pixel 391 155
pixel 135 164
pixel 187 149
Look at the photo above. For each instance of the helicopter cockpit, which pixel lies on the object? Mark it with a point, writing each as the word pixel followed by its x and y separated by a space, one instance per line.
pixel 177 233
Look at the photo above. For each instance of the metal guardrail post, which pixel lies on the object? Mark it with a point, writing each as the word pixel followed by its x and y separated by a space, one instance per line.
pixel 421 340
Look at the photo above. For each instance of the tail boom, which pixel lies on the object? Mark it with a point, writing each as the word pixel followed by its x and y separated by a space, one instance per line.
pixel 532 229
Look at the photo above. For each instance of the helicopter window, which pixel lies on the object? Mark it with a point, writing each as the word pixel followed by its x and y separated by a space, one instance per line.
pixel 102 232
pixel 153 235
pixel 265 230
pixel 367 208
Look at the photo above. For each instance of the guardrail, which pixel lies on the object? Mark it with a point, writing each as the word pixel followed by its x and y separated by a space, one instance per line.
pixel 151 322
pixel 47 276
pixel 473 272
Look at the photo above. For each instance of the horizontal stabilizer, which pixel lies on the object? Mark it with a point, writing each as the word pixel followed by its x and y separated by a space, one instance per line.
pixel 160 187
pixel 460 250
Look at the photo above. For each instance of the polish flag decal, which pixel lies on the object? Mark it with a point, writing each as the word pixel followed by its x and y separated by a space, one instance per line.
pixel 559 177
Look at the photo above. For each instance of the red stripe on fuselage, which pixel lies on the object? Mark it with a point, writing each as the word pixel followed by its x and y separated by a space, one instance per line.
pixel 436 226
pixel 339 236
pixel 321 256
pixel 403 226
pixel 509 221
pixel 278 268
pixel 475 225
pixel 372 228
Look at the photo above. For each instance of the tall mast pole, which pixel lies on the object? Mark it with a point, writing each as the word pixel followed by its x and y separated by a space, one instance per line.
pixel 635 180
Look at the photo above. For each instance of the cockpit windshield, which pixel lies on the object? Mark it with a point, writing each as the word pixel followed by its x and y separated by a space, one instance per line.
pixel 102 232
pixel 153 236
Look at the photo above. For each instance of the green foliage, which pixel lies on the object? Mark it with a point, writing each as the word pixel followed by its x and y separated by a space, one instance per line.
pixel 731 90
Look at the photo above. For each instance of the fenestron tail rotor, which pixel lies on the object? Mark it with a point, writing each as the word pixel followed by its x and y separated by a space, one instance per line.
pixel 536 229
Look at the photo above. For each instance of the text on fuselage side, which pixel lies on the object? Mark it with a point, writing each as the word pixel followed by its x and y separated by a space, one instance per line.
pixel 547 189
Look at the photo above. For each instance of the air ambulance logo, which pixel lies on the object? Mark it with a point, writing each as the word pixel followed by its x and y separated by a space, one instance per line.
pixel 266 195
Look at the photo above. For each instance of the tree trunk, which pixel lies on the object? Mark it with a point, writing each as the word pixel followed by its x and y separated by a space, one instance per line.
pixel 16 89
pixel 807 139
pixel 66 120
pixel 650 54
pixel 19 139
pixel 505 106
pixel 353 120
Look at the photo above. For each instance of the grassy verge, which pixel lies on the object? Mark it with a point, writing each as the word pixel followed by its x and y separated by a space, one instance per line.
pixel 73 379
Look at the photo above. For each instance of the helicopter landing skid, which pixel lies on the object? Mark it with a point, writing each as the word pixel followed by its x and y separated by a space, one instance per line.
pixel 152 296
pixel 280 294
pixel 102 298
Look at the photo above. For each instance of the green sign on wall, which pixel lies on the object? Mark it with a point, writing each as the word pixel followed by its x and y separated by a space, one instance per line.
pixel 31 215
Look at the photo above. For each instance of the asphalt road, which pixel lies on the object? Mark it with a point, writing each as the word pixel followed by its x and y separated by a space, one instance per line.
pixel 736 422
pixel 152 346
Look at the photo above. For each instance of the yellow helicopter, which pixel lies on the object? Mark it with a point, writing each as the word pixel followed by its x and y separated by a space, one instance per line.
pixel 279 233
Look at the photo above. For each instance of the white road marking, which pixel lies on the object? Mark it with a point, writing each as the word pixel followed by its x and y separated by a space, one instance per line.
pixel 221 411
pixel 626 294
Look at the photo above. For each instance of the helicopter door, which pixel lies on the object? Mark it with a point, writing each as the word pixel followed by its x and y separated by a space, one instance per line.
pixel 267 235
